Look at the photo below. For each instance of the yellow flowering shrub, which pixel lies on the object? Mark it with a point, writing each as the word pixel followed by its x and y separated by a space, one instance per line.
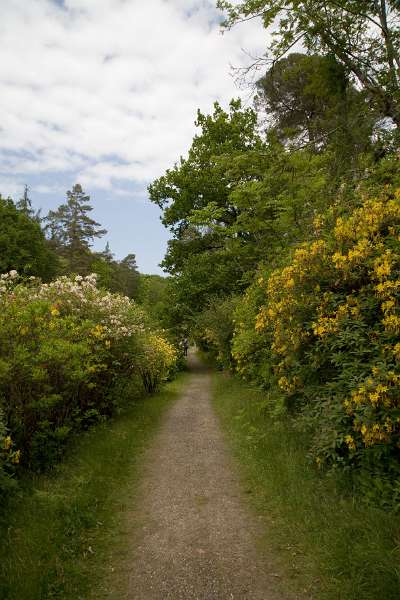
pixel 329 329
pixel 156 360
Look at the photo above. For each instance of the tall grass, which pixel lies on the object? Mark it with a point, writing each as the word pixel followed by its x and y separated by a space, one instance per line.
pixel 60 531
pixel 332 545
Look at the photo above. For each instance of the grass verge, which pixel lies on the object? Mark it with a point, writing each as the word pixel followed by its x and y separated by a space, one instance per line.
pixel 61 530
pixel 330 545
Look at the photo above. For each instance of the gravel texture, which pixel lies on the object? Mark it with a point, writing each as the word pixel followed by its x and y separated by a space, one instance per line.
pixel 196 538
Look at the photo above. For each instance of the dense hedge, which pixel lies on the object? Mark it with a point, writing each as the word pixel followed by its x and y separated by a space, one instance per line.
pixel 322 336
pixel 67 352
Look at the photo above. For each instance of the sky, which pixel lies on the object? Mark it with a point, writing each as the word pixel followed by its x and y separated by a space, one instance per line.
pixel 105 93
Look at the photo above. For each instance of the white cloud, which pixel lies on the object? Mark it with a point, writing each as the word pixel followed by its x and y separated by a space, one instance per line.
pixel 108 89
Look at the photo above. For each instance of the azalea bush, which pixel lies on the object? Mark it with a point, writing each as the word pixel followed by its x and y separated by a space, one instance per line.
pixel 155 361
pixel 68 350
pixel 326 333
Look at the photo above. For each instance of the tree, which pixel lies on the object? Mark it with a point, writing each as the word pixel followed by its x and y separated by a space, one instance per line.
pixel 23 245
pixel 363 35
pixel 198 183
pixel 24 204
pixel 195 198
pixel 309 101
pixel 116 276
pixel 127 276
pixel 309 97
pixel 71 230
pixel 154 294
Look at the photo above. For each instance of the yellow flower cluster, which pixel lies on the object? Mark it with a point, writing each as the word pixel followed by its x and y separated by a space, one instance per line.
pixel 98 332
pixel 383 265
pixel 284 299
pixel 16 457
pixel 368 221
pixel 376 433
pixel 161 355
pixel 350 442
pixel 327 325
pixel 354 257
pixel 381 394
pixel 289 385
pixel 10 455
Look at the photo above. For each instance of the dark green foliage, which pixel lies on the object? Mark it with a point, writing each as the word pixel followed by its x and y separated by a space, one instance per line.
pixel 154 295
pixel 309 100
pixel 363 36
pixel 120 276
pixel 22 244
pixel 214 327
pixel 195 198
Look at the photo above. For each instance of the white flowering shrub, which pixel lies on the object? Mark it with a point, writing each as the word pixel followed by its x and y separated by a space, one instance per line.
pixel 65 348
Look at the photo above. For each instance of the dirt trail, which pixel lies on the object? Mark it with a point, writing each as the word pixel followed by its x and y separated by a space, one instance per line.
pixel 197 540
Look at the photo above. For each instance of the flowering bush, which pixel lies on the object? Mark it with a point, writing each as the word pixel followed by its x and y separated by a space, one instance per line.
pixel 156 359
pixel 328 329
pixel 65 347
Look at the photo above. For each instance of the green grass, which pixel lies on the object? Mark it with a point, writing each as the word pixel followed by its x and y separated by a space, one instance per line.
pixel 330 545
pixel 63 536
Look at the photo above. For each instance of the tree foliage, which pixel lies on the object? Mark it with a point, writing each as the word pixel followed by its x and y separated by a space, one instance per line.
pixel 71 230
pixel 22 243
pixel 363 35
pixel 310 100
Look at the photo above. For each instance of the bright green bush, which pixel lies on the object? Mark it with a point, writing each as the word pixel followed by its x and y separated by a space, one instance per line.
pixel 65 348
pixel 327 333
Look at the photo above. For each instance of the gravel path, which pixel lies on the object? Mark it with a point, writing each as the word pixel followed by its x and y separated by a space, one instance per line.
pixel 197 539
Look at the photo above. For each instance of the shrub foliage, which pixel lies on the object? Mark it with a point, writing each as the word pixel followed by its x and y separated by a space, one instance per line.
pixel 325 328
pixel 67 350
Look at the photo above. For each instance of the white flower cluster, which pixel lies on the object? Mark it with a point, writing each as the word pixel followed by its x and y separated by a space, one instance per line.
pixel 118 315
pixel 8 280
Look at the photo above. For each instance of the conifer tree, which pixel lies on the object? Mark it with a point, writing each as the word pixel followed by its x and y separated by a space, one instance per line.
pixel 72 231
pixel 24 204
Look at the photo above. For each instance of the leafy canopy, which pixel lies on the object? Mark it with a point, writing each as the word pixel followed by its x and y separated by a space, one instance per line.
pixel 363 35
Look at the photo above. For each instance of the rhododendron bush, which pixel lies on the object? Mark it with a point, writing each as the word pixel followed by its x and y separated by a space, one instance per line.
pixel 326 332
pixel 67 353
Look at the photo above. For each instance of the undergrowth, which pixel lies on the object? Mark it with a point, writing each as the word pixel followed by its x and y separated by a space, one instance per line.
pixel 58 534
pixel 332 545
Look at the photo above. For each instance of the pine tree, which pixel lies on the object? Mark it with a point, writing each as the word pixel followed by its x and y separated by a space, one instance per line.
pixel 24 204
pixel 107 255
pixel 72 231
